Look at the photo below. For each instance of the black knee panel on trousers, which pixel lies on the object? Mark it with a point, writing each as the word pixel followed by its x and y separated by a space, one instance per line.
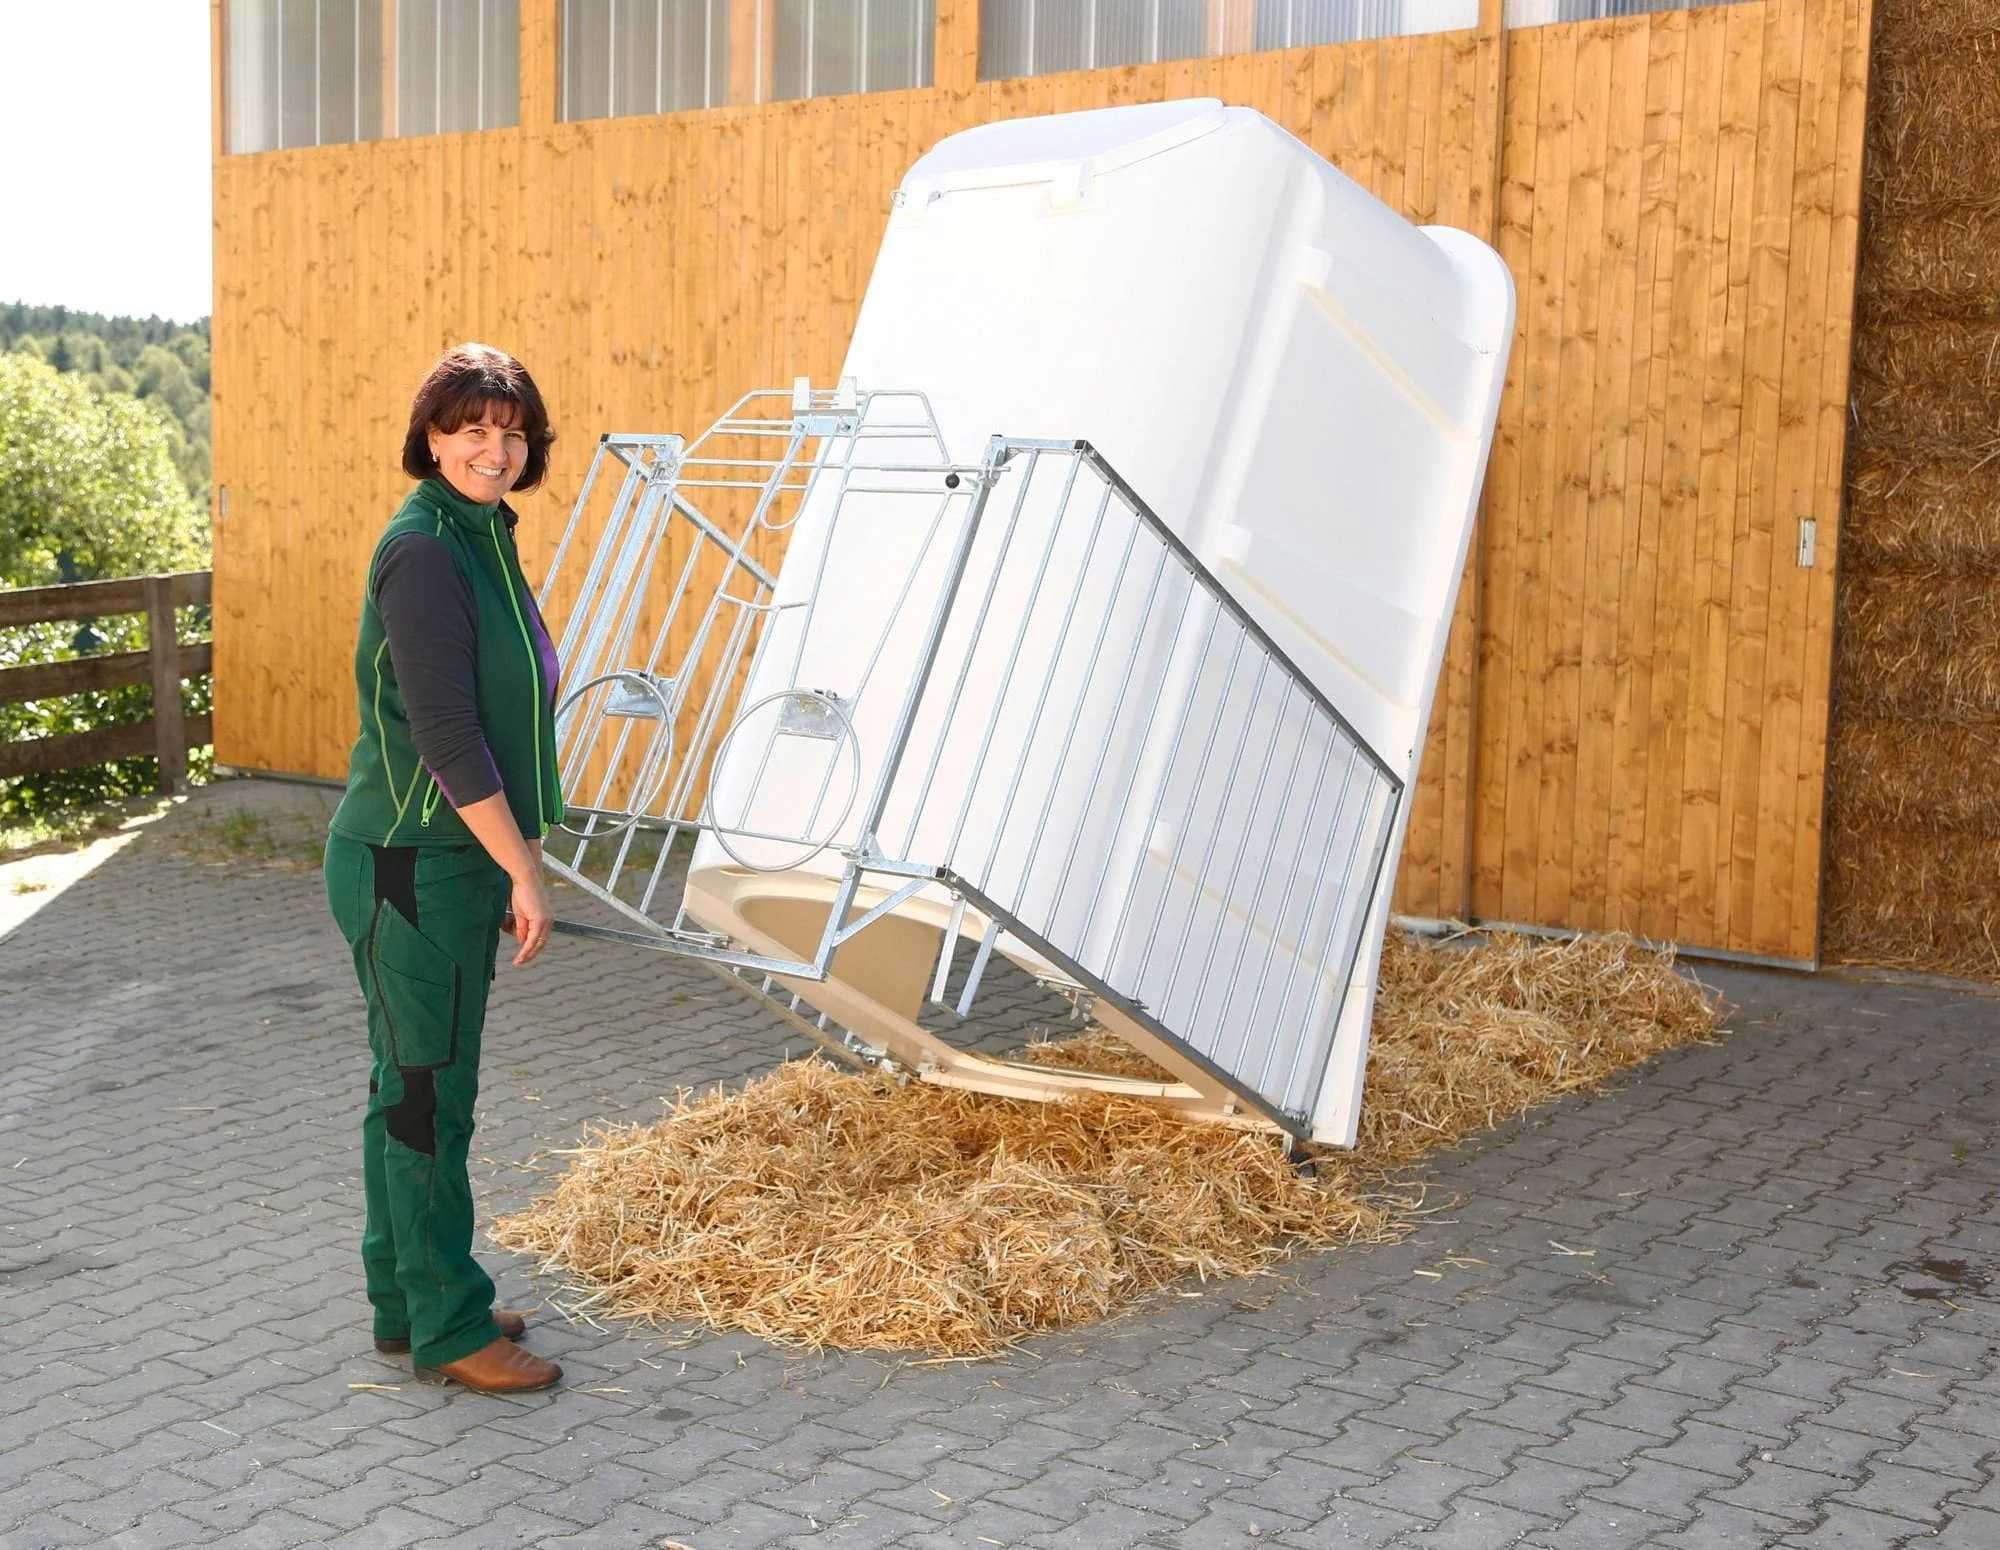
pixel 413 1121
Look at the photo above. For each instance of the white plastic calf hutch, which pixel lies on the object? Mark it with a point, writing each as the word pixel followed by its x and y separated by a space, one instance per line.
pixel 1117 573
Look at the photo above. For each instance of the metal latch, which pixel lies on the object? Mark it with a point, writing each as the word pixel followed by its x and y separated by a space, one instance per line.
pixel 1808 534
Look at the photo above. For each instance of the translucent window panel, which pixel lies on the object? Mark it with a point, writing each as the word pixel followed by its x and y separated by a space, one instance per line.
pixel 338 63
pixel 1294 23
pixel 458 65
pixel 500 74
pixel 586 58
pixel 1535 13
pixel 301 72
pixel 635 67
pixel 416 67
pixel 694 54
pixel 643 56
pixel 1039 37
pixel 250 76
pixel 1140 30
pixel 298 72
pixel 901 45
pixel 825 47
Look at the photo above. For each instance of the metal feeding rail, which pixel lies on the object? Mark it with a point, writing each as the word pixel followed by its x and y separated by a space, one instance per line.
pixel 992 704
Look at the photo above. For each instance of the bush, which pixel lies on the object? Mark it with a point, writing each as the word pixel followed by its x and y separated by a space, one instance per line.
pixel 33 797
pixel 88 489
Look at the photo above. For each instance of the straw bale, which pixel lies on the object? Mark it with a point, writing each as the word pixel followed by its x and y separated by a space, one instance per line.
pixel 1923 648
pixel 1898 775
pixel 1925 423
pixel 1931 263
pixel 1913 787
pixel 817 1208
pixel 1934 81
pixel 1929 379
pixel 1935 354
pixel 1919 517
pixel 1915 900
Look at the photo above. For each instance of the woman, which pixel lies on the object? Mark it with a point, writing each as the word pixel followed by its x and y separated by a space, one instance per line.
pixel 437 844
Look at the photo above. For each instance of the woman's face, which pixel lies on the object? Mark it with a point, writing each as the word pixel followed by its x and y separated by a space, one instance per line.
pixel 483 457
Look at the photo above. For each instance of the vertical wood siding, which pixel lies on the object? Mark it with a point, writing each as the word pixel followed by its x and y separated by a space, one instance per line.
pixel 1631 728
pixel 1679 205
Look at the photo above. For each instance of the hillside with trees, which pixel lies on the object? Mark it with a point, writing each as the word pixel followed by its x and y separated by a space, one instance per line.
pixel 163 365
pixel 94 484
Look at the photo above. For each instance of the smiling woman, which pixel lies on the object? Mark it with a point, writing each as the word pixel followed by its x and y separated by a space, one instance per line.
pixel 483 457
pixel 478 405
pixel 435 847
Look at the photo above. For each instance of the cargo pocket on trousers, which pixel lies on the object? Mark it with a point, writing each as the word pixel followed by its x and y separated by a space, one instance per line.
pixel 420 989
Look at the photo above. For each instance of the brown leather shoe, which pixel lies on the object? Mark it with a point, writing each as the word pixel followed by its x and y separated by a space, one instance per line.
pixel 512 1325
pixel 498 1367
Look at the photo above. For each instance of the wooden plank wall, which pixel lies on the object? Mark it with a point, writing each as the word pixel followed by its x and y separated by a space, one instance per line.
pixel 1680 200
pixel 1631 728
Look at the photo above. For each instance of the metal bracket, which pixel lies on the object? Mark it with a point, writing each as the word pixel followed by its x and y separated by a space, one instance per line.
pixel 630 699
pixel 812 714
pixel 1808 536
pixel 839 416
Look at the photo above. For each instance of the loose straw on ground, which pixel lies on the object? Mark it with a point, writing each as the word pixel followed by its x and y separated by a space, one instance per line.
pixel 818 1208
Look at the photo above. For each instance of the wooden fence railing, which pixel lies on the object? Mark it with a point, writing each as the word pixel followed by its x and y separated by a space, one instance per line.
pixel 168 733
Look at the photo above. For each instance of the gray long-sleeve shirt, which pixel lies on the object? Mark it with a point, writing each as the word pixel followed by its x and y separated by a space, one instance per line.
pixel 427 613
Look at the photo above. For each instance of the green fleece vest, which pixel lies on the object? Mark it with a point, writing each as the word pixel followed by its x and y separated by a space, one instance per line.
pixel 392 799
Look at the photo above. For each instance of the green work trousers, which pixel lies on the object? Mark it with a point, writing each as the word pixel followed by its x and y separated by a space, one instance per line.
pixel 423 923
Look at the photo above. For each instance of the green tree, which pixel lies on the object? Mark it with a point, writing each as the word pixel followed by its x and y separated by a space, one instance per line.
pixel 192 348
pixel 88 489
pixel 161 374
pixel 88 484
pixel 109 351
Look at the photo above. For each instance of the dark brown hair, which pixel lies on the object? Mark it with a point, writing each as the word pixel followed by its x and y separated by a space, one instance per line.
pixel 467 381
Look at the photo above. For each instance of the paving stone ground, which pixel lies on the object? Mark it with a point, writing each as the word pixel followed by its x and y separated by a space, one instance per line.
pixel 1745 1300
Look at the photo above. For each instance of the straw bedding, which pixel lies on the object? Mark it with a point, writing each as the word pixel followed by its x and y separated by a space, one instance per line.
pixel 819 1208
pixel 1913 874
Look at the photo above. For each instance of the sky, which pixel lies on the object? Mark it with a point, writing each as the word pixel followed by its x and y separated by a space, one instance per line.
pixel 105 113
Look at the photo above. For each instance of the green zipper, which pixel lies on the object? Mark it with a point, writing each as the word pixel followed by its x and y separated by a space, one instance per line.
pixel 431 793
pixel 534 671
pixel 382 741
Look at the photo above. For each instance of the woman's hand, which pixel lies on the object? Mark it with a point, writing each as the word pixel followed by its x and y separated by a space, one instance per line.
pixel 530 915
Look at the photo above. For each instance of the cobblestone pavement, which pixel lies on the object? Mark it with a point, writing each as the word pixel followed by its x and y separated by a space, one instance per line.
pixel 1743 1301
